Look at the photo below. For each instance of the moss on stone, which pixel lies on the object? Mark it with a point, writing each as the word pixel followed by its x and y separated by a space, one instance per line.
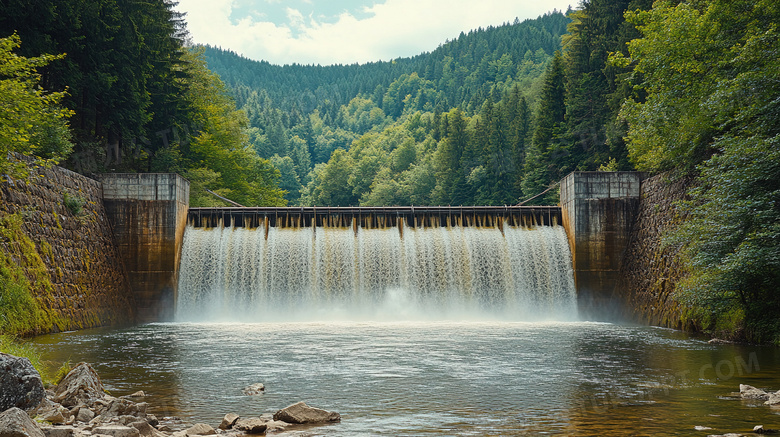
pixel 23 311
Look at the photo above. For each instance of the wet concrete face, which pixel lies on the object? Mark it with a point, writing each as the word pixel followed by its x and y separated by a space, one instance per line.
pixel 598 213
pixel 149 213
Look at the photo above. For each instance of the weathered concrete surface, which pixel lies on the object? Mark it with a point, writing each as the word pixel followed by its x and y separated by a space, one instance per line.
pixel 87 284
pixel 149 215
pixel 598 211
pixel 651 270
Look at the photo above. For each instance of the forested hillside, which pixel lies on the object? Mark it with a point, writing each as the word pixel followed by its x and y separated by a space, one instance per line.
pixel 492 117
pixel 390 119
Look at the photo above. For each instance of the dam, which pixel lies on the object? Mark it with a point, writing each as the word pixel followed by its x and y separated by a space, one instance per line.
pixel 511 261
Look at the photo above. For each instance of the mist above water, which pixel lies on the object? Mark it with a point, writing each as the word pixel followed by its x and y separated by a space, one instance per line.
pixel 443 273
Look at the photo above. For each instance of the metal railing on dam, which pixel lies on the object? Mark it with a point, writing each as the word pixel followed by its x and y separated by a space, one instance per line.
pixel 376 217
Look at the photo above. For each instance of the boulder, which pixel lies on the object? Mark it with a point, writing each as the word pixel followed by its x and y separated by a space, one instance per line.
pixel 276 426
pixel 126 420
pixel 85 415
pixel 51 412
pixel 101 405
pixel 302 413
pixel 750 392
pixel 228 421
pixel 14 422
pixel 252 425
pixel 80 386
pixel 59 431
pixel 116 431
pixel 123 407
pixel 21 383
pixel 143 427
pixel 201 429
pixel 254 389
pixel 774 398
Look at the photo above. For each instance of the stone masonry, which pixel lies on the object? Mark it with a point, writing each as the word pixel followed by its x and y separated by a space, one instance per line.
pixel 90 286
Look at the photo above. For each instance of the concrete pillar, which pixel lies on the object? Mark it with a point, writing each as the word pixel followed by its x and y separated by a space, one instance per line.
pixel 598 211
pixel 148 213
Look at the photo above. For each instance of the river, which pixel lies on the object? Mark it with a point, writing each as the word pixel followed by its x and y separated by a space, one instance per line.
pixel 438 378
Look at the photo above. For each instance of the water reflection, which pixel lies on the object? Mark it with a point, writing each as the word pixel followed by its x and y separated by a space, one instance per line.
pixel 438 378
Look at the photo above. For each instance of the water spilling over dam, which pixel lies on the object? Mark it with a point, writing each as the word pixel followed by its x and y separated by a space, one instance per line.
pixel 395 273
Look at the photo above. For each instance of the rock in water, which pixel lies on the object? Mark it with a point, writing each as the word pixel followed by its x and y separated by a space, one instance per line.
pixel 254 389
pixel 302 413
pixel 228 421
pixel 81 386
pixel 201 429
pixel 21 384
pixel 14 422
pixel 750 392
pixel 252 425
pixel 774 398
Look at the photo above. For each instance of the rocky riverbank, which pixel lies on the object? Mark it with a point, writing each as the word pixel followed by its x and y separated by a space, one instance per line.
pixel 79 407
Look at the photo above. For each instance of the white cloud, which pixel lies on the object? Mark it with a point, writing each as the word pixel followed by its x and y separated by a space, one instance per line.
pixel 397 28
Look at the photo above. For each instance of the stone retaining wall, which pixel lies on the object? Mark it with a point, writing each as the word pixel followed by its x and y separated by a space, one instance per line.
pixel 651 270
pixel 89 286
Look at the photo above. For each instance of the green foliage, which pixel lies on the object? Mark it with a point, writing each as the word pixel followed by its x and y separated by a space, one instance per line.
pixel 31 120
pixel 19 311
pixel 74 204
pixel 200 181
pixel 712 83
pixel 675 58
pixel 611 165
pixel 220 157
pixel 545 161
pixel 13 346
pixel 140 99
pixel 289 180
pixel 22 308
pixel 388 116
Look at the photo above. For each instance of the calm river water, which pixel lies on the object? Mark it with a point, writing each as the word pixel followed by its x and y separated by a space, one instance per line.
pixel 442 378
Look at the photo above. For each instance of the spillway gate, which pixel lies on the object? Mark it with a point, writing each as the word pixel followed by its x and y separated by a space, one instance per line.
pixel 376 217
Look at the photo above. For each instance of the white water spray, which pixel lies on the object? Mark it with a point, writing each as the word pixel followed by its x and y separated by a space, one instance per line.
pixel 439 273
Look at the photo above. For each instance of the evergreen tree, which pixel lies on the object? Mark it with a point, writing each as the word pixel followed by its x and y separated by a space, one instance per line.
pixel 539 168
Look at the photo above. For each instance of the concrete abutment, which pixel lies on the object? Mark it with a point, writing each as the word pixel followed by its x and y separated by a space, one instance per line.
pixel 599 210
pixel 148 213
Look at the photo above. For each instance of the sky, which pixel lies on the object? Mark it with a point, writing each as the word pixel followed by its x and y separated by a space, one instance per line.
pixel 327 32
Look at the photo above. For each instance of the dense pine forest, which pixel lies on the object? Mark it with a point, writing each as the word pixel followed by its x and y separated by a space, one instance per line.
pixel 493 117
